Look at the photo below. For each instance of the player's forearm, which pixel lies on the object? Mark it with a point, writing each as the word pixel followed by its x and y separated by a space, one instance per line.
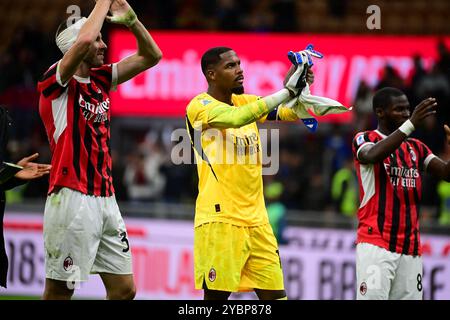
pixel 439 169
pixel 224 116
pixel 382 149
pixel 147 47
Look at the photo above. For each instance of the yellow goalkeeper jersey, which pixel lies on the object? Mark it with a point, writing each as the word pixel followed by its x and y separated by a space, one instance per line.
pixel 229 159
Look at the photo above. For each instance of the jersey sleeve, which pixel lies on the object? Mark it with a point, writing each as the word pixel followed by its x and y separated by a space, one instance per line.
pixel 197 113
pixel 216 114
pixel 426 154
pixel 106 76
pixel 360 141
pixel 50 85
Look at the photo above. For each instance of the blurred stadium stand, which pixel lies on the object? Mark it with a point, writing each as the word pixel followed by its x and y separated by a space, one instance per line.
pixel 336 16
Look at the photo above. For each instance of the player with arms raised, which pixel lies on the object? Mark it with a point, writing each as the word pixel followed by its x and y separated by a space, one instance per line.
pixel 83 229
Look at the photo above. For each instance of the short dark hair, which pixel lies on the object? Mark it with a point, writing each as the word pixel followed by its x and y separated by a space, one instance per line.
pixel 212 57
pixel 383 97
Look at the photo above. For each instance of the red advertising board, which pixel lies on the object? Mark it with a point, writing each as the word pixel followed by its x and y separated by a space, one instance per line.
pixel 166 89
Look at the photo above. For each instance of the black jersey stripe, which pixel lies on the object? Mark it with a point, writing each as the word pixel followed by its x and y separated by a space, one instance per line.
pixel 407 232
pixel 76 136
pixel 51 89
pixel 382 177
pixel 197 145
pixel 109 182
pixel 104 73
pixel 101 83
pixel 96 95
pixel 90 170
pixel 108 168
pixel 100 158
pixel 395 223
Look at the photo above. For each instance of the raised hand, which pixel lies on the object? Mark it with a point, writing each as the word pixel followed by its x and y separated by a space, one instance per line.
pixel 423 110
pixel 122 13
pixel 294 80
pixel 32 170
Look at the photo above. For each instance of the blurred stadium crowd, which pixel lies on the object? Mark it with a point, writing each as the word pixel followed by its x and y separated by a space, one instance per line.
pixel 315 169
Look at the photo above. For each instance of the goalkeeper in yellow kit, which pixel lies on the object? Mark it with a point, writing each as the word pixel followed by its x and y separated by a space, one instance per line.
pixel 234 245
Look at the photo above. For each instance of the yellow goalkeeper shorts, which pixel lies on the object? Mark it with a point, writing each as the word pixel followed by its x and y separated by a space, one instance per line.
pixel 233 258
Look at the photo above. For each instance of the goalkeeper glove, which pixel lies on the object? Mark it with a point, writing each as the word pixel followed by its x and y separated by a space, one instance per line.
pixel 304 56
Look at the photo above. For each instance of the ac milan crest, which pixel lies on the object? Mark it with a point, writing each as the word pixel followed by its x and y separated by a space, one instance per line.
pixel 212 275
pixel 68 263
pixel 363 288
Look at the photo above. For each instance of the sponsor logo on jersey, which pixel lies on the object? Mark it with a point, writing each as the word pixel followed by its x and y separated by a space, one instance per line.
pixel 97 108
pixel 401 176
pixel 403 172
pixel 97 112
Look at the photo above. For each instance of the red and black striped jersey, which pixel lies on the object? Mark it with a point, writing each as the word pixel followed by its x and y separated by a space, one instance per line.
pixel 76 116
pixel 390 193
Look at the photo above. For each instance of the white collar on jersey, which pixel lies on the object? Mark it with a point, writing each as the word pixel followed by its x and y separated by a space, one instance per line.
pixel 382 135
pixel 82 80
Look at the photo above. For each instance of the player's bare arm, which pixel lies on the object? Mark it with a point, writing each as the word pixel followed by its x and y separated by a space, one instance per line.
pixel 89 33
pixel 382 149
pixel 148 53
pixel 439 167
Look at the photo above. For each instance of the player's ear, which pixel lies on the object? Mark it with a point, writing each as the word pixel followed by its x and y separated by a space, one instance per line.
pixel 379 112
pixel 211 74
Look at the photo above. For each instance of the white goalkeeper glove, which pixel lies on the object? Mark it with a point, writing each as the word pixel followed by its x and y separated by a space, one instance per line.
pixel 297 81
